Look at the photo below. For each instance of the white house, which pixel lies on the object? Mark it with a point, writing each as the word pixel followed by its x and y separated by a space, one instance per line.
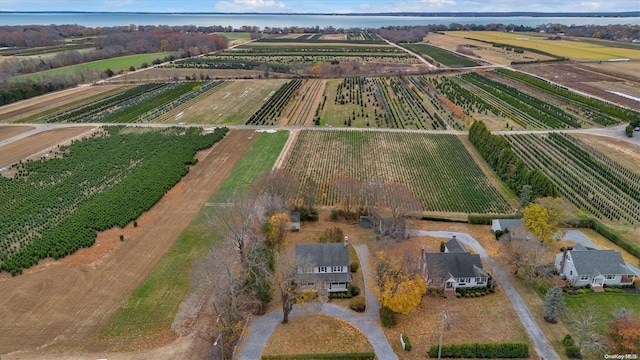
pixel 454 268
pixel 595 268
pixel 323 266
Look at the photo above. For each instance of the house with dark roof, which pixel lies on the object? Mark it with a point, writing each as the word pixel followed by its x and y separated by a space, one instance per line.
pixel 455 246
pixel 323 266
pixel 455 268
pixel 595 268
pixel 515 227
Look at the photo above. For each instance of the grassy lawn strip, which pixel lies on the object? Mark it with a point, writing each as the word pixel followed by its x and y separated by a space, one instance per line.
pixel 605 305
pixel 231 36
pixel 153 305
pixel 316 334
pixel 260 157
pixel 115 64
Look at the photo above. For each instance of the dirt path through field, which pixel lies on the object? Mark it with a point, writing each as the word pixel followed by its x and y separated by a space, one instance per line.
pixel 65 304
pixel 18 150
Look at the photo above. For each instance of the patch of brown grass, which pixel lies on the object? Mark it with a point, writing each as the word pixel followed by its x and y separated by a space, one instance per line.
pixel 316 334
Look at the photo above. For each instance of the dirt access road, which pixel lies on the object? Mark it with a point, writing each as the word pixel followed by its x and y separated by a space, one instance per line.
pixel 65 304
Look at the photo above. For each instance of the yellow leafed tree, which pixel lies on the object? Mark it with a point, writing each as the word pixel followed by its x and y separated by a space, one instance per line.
pixel 543 218
pixel 400 288
pixel 275 229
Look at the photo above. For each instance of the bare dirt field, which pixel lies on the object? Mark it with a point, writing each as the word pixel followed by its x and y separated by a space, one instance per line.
pixel 7 132
pixel 302 106
pixel 61 306
pixel 593 81
pixel 333 37
pixel 231 102
pixel 21 149
pixel 22 109
pixel 619 151
pixel 483 50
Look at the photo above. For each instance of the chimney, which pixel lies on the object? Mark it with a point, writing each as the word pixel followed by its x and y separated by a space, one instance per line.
pixel 422 258
pixel 454 237
pixel 346 241
pixel 564 258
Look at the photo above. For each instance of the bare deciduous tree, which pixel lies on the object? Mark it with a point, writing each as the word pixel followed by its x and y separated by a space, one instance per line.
pixel 284 279
pixel 583 321
pixel 399 200
pixel 275 190
pixel 347 190
pixel 529 259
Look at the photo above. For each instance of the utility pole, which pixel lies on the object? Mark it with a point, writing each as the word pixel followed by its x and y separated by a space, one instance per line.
pixel 444 316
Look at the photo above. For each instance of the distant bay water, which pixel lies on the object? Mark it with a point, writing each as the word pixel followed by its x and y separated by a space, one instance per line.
pixel 264 20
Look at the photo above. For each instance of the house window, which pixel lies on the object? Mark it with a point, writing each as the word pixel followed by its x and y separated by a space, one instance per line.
pixel 479 280
pixel 463 281
pixel 323 269
pixel 336 269
pixel 610 277
pixel 584 277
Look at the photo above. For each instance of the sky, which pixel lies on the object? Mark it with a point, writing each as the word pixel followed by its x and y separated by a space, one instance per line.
pixel 321 6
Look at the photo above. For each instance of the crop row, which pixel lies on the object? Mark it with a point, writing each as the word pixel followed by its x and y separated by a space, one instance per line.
pixel 464 98
pixel 168 106
pixel 270 110
pixel 442 56
pixel 550 115
pixel 582 175
pixel 53 207
pixel 351 38
pixel 248 49
pixel 596 110
pixel 420 162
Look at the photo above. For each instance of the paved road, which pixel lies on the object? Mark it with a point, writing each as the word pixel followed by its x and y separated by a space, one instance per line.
pixel 540 343
pixel 261 327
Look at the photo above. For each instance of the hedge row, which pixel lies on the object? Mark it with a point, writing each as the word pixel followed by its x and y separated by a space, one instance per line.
pixel 482 351
pixel 348 356
pixel 487 219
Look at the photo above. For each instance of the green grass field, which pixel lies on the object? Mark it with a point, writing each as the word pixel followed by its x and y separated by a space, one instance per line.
pixel 231 36
pixel 115 64
pixel 442 56
pixel 605 305
pixel 154 304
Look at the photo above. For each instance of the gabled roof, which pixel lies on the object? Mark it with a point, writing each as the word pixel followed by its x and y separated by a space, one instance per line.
pixel 455 246
pixel 454 264
pixel 336 254
pixel 605 262
pixel 509 223
pixel 294 216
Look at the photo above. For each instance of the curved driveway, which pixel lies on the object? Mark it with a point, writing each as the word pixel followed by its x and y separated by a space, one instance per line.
pixel 540 343
pixel 261 327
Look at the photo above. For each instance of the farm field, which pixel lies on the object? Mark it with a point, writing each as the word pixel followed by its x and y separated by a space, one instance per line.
pixel 592 79
pixel 584 176
pixel 7 132
pixel 232 102
pixel 351 38
pixel 168 74
pixel 390 102
pixel 144 313
pixel 482 50
pixel 35 144
pixel 444 57
pixel 29 108
pixel 416 161
pixel 564 48
pixel 115 64
pixel 302 108
pixel 618 150
pixel 66 306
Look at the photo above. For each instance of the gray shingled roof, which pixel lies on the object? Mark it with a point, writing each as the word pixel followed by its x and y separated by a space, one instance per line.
pixel 510 223
pixel 605 262
pixel 456 264
pixel 335 254
pixel 455 246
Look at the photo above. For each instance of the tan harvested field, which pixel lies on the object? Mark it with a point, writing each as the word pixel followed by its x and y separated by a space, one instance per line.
pixel 483 50
pixel 63 305
pixel 333 37
pixel 16 111
pixel 588 79
pixel 301 108
pixel 620 151
pixel 34 144
pixel 629 68
pixel 7 132
pixel 231 102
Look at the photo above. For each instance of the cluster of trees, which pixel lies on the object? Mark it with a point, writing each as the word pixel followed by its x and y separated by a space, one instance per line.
pixel 405 34
pixel 513 171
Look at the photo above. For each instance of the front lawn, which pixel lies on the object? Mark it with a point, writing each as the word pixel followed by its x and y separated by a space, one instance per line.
pixel 605 305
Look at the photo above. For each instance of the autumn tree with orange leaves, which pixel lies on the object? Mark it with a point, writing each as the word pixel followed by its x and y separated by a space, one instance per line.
pixel 624 333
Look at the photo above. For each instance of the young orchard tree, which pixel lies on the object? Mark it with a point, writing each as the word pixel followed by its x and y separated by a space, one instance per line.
pixel 400 284
pixel 553 305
